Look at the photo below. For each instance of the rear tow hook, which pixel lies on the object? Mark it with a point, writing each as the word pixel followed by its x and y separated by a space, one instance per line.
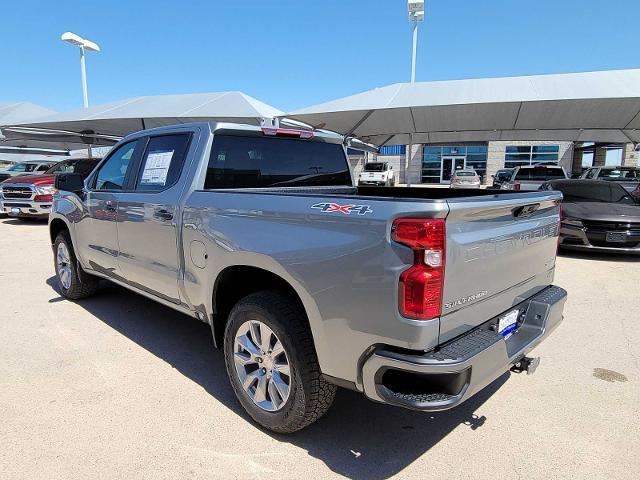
pixel 526 364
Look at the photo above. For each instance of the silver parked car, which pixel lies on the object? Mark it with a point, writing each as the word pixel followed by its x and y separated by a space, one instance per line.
pixel 466 178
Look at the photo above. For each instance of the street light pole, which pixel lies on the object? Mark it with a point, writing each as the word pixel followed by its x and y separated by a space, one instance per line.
pixel 84 45
pixel 83 74
pixel 416 15
pixel 415 51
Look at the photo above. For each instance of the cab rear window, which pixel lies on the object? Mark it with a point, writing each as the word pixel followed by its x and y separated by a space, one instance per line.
pixel 544 173
pixel 256 162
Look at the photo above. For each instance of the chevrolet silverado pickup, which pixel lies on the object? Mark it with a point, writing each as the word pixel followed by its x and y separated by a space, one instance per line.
pixel 415 297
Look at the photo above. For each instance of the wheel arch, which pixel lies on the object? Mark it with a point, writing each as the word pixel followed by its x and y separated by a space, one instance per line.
pixel 56 226
pixel 238 281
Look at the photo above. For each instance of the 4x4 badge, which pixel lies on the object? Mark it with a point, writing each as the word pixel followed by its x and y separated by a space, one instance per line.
pixel 346 209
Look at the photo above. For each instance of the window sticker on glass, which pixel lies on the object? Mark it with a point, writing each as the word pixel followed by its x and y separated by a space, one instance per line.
pixel 156 168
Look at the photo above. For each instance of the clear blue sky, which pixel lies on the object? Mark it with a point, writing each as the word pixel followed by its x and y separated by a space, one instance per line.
pixel 296 53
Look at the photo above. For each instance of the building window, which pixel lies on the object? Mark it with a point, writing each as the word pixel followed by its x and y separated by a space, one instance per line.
pixel 438 163
pixel 393 150
pixel 516 156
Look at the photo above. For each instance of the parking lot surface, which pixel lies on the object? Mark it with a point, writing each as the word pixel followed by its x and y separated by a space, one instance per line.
pixel 117 386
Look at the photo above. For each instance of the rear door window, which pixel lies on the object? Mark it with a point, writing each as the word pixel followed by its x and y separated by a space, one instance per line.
pixel 162 162
pixel 254 162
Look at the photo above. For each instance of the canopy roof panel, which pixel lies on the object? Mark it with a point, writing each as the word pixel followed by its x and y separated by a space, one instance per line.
pixel 126 116
pixel 592 106
pixel 18 112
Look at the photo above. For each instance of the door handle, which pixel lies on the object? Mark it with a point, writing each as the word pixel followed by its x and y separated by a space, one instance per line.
pixel 108 205
pixel 163 214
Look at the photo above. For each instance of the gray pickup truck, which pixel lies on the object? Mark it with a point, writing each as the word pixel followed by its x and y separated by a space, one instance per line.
pixel 531 177
pixel 415 297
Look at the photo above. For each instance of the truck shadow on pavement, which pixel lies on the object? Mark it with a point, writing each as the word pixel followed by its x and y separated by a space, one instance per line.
pixel 25 222
pixel 357 438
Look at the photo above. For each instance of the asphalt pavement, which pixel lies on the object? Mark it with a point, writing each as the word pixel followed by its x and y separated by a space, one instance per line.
pixel 117 386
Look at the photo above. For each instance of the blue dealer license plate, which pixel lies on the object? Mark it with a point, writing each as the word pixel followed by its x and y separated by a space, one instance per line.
pixel 508 323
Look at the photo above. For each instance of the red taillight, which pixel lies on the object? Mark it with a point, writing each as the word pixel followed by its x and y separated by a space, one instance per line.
pixel 287 132
pixel 420 289
pixel 419 233
pixel 43 198
pixel 515 186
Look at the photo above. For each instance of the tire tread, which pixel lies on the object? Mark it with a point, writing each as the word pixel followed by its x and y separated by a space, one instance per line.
pixel 319 394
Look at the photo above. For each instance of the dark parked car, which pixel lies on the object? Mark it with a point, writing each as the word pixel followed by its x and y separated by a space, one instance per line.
pixel 501 176
pixel 598 215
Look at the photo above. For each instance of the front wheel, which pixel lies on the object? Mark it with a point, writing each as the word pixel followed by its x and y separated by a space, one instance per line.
pixel 272 363
pixel 73 283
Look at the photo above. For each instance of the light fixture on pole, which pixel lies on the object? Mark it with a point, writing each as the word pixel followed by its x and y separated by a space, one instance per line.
pixel 83 44
pixel 416 15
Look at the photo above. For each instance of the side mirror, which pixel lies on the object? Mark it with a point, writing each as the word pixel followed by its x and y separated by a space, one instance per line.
pixel 390 168
pixel 69 182
pixel 493 176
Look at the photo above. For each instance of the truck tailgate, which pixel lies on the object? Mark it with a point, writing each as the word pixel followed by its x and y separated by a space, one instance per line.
pixel 499 251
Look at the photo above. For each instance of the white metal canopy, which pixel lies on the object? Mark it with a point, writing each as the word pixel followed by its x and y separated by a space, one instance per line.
pixel 582 107
pixel 22 112
pixel 125 116
pixel 18 112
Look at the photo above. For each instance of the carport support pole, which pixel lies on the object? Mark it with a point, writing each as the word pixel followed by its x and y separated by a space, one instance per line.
pixel 407 160
pixel 83 73
pixel 413 80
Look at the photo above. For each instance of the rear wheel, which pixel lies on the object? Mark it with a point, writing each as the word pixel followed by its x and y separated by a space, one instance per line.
pixel 272 364
pixel 74 283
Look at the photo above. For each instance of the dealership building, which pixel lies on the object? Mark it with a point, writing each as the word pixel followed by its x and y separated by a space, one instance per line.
pixel 428 130
pixel 434 163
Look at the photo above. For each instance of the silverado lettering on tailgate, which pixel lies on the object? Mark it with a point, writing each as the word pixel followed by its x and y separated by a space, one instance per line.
pixel 501 245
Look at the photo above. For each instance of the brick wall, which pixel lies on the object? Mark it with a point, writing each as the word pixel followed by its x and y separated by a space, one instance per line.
pixel 630 158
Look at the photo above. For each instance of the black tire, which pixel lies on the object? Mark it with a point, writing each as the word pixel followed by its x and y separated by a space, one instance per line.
pixel 310 395
pixel 82 284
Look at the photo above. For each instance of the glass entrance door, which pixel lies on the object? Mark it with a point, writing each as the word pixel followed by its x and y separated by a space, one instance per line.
pixel 450 165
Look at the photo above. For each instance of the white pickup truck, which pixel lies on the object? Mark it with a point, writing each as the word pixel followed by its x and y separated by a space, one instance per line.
pixel 377 173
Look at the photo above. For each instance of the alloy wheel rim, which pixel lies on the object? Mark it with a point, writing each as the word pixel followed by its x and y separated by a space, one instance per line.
pixel 63 262
pixel 262 365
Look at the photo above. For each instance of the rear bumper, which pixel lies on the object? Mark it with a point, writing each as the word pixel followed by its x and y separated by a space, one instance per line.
pixel 464 185
pixel 371 182
pixel 25 208
pixel 446 377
